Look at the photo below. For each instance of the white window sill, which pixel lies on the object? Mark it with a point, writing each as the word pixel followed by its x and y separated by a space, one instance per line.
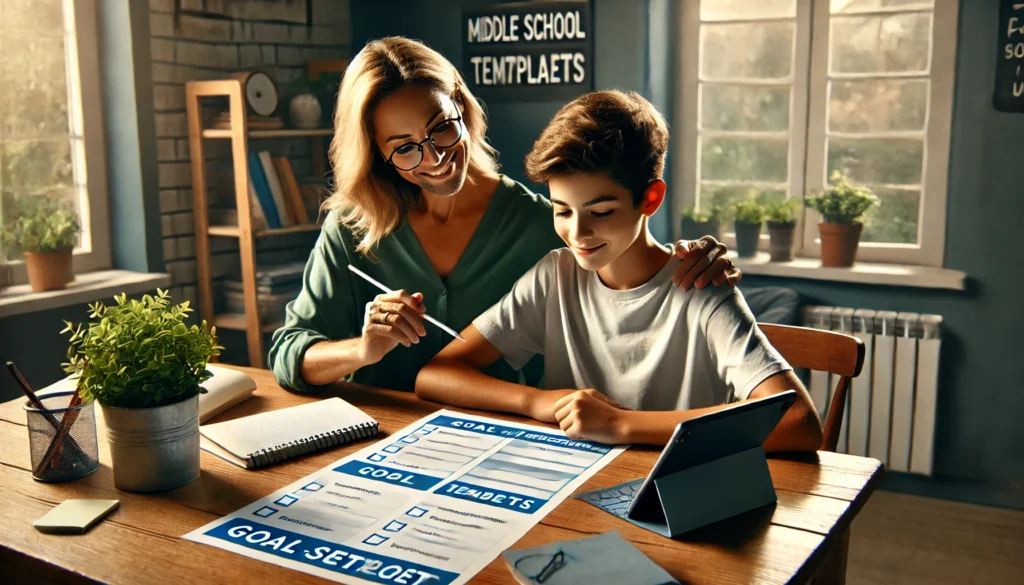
pixel 87 288
pixel 861 272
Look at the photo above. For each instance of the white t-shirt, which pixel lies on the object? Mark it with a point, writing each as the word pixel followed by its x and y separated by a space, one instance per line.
pixel 654 347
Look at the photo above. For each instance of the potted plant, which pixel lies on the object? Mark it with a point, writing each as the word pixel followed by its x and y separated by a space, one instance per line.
pixel 841 204
pixel 748 214
pixel 145 367
pixel 45 230
pixel 779 216
pixel 697 223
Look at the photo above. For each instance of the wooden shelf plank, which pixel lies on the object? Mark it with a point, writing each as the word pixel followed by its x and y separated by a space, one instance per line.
pixel 284 133
pixel 236 321
pixel 232 231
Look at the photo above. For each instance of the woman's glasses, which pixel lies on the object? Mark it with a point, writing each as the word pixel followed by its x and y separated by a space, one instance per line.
pixel 445 134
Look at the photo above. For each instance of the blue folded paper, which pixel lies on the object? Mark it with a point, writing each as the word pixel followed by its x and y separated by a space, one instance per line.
pixel 605 558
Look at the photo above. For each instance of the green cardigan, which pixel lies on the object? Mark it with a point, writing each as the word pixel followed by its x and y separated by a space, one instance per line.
pixel 515 232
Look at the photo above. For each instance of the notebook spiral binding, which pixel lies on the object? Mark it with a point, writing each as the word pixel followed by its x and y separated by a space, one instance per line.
pixel 317 442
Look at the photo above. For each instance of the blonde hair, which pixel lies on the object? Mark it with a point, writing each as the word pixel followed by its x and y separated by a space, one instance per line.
pixel 370 198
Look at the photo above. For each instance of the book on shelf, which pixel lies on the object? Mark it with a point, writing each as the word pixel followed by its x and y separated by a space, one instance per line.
pixel 286 176
pixel 276 191
pixel 263 194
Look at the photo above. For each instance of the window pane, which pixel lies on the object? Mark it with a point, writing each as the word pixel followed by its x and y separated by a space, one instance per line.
pixel 719 194
pixel 32 166
pixel 854 6
pixel 895 219
pixel 745 159
pixel 747 51
pixel 745 108
pixel 892 161
pixel 880 44
pixel 877 105
pixel 746 9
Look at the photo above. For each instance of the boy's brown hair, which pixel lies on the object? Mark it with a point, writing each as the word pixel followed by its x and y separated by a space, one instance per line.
pixel 611 132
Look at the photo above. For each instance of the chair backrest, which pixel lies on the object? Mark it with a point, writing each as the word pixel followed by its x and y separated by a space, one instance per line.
pixel 824 351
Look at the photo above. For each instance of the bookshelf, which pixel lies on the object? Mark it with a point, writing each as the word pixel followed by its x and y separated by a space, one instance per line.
pixel 246 233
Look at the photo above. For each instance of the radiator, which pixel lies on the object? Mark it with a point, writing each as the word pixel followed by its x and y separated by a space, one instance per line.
pixel 890 410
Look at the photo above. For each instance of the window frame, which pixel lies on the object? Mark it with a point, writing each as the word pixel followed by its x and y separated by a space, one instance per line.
pixel 96 219
pixel 807 131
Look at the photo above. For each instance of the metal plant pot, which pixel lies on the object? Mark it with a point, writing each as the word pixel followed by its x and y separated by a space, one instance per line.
pixel 780 240
pixel 748 236
pixel 154 449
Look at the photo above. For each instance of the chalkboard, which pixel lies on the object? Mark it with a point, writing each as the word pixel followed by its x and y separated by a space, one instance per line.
pixel 1009 91
pixel 528 51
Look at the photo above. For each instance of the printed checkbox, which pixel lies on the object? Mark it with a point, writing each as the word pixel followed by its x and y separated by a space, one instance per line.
pixel 375 540
pixel 265 511
pixel 392 448
pixel 376 457
pixel 416 512
pixel 286 500
pixel 312 487
pixel 410 439
pixel 395 526
pixel 429 428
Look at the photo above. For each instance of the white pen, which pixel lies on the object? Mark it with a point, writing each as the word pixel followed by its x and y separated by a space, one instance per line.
pixel 371 280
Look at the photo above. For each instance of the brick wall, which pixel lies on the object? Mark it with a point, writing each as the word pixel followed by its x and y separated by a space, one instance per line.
pixel 209 39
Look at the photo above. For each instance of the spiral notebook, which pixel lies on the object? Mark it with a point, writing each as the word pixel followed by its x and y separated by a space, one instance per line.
pixel 270 437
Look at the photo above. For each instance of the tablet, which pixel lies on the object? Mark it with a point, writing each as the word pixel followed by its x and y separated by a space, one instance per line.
pixel 695 442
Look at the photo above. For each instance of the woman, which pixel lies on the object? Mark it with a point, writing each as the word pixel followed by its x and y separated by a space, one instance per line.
pixel 420 206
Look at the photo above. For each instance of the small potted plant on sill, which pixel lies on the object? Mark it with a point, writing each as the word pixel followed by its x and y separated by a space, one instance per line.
pixel 145 366
pixel 697 223
pixel 781 220
pixel 748 214
pixel 45 230
pixel 841 205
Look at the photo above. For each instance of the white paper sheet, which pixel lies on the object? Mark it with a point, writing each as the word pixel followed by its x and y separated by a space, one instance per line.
pixel 432 504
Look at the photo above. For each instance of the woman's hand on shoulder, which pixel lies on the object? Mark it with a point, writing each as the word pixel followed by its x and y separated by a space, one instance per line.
pixel 704 261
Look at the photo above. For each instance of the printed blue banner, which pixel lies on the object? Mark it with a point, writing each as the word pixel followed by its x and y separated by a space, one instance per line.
pixel 328 555
pixel 388 475
pixel 491 497
pixel 486 428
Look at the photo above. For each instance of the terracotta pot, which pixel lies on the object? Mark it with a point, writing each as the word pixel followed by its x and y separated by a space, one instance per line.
pixel 748 236
pixel 839 243
pixel 780 240
pixel 48 270
pixel 692 230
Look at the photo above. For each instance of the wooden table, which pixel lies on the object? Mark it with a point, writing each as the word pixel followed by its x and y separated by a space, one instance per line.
pixel 803 538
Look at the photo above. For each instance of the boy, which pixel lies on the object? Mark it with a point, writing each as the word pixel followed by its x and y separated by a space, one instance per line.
pixel 627 354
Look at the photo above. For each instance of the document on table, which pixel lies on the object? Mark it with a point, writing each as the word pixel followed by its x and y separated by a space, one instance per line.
pixel 432 504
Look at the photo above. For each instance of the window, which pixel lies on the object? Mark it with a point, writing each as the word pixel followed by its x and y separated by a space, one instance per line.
pixel 776 94
pixel 50 119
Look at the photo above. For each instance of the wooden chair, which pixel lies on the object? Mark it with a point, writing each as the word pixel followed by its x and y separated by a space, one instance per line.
pixel 824 351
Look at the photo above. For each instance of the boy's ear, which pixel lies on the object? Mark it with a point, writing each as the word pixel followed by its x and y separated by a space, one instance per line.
pixel 654 196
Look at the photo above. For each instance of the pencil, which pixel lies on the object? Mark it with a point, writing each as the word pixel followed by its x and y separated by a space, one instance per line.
pixel 370 279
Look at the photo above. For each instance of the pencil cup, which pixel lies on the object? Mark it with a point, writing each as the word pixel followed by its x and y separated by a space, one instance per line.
pixel 62 439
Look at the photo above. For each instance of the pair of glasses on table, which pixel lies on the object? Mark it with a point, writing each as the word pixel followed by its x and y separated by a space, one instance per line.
pixel 540 567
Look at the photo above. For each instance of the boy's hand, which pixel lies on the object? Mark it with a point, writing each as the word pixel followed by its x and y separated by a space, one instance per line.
pixel 543 403
pixel 588 414
pixel 704 262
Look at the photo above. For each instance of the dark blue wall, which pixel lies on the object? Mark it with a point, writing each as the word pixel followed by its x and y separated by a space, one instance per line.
pixel 981 395
pixel 514 126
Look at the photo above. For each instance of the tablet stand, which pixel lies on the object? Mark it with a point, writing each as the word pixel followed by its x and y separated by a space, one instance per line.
pixel 700 495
